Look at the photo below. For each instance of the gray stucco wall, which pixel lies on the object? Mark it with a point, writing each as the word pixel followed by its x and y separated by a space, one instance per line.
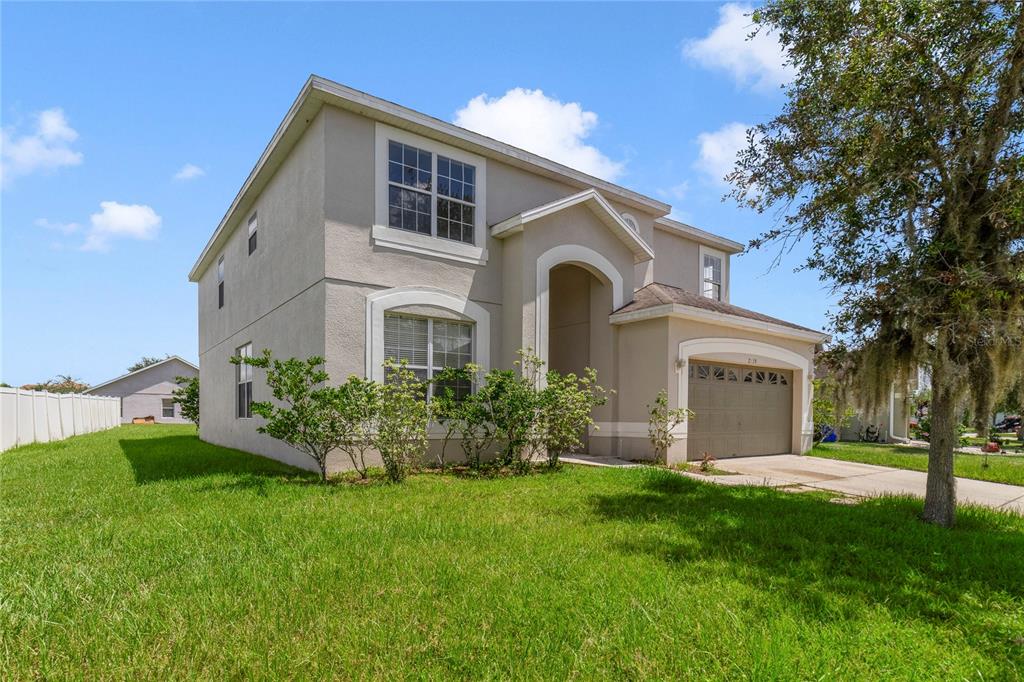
pixel 142 393
pixel 274 298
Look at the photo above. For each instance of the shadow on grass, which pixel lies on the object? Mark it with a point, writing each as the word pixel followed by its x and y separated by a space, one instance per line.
pixel 170 458
pixel 830 561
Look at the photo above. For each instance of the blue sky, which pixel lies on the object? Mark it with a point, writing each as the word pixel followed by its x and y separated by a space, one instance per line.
pixel 128 129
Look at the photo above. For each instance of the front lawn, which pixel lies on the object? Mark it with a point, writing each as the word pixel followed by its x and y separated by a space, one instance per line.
pixel 142 553
pixel 1001 468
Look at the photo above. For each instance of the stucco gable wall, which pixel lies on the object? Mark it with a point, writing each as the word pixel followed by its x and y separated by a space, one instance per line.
pixel 676 261
pixel 290 246
pixel 156 379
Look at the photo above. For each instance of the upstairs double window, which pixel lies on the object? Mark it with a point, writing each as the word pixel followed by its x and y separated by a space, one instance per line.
pixel 430 193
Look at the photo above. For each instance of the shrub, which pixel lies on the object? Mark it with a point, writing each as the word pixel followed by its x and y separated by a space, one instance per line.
pixel 661 424
pixel 566 411
pixel 512 404
pixel 309 418
pixel 466 418
pixel 187 396
pixel 401 420
pixel 358 404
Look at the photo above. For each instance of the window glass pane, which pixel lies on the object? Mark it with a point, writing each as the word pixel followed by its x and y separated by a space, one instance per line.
pixel 456 179
pixel 409 166
pixel 408 210
pixel 460 220
pixel 405 338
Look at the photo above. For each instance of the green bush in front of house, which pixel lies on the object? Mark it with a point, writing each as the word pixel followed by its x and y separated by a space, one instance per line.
pixel 509 418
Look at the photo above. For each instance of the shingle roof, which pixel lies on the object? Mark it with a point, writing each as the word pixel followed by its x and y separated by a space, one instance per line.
pixel 656 294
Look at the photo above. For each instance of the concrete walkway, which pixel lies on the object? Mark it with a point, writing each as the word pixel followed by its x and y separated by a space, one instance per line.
pixel 798 472
pixel 859 480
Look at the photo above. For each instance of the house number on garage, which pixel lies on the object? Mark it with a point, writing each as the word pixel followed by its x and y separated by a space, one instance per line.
pixel 751 361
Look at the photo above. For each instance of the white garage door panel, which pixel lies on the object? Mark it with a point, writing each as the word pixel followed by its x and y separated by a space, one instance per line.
pixel 739 411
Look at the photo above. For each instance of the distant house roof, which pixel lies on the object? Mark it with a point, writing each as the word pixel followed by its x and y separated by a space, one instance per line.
pixel 659 300
pixel 95 388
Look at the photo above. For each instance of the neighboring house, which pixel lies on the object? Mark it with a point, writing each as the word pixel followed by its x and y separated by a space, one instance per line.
pixel 893 416
pixel 368 230
pixel 147 392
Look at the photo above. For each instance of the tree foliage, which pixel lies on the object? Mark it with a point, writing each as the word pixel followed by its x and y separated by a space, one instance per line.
pixel 145 361
pixel 898 154
pixel 62 383
pixel 187 396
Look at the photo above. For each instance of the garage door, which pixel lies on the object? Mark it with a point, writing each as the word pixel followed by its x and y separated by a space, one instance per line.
pixel 739 411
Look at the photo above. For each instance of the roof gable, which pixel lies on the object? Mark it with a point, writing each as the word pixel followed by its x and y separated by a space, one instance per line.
pixel 145 369
pixel 593 200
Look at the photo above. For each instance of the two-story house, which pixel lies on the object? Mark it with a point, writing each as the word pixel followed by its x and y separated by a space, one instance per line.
pixel 368 230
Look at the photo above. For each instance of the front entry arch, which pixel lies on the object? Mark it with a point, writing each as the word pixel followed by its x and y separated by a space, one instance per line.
pixel 571 254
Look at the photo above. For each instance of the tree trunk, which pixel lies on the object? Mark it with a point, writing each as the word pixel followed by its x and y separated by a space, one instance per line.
pixel 940 493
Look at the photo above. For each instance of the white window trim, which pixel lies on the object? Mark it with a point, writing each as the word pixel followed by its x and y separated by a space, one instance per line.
pixel 707 250
pixel 632 222
pixel 413 242
pixel 380 301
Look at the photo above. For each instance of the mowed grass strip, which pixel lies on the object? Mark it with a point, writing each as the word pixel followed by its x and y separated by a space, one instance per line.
pixel 142 552
pixel 1000 469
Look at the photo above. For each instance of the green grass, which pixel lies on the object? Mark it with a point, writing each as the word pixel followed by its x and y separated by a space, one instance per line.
pixel 142 553
pixel 1001 468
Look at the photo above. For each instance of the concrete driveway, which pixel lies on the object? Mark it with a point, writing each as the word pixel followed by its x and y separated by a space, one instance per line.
pixel 861 480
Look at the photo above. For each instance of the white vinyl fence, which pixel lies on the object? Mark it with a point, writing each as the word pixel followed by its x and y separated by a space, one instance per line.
pixel 41 416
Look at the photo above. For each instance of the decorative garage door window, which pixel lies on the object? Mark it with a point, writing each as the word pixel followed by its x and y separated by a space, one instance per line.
pixel 728 374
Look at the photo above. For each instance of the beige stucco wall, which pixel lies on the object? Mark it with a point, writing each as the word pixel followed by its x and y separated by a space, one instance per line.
pixel 294 329
pixel 305 290
pixel 676 263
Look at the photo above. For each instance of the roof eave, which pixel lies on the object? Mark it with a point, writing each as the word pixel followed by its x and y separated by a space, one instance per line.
pixel 128 374
pixel 679 310
pixel 597 203
pixel 699 235
pixel 318 90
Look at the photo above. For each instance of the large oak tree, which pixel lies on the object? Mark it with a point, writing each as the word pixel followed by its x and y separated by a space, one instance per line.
pixel 898 156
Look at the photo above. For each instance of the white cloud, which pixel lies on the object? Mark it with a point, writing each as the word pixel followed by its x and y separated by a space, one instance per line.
pixel 63 228
pixel 758 62
pixel 540 124
pixel 132 221
pixel 189 171
pixel 677 192
pixel 718 150
pixel 48 147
